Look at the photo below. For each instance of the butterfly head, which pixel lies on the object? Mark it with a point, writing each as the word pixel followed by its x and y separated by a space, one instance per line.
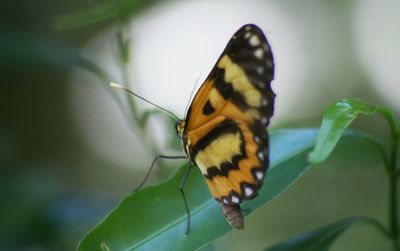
pixel 180 127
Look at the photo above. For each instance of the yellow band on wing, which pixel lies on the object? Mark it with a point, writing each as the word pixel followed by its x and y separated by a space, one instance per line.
pixel 236 76
pixel 220 150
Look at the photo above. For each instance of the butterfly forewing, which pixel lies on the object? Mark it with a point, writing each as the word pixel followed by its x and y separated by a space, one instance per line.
pixel 225 131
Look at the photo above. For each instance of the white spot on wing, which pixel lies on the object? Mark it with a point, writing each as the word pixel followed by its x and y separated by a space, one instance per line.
pixel 260 155
pixel 259 175
pixel 264 120
pixel 264 102
pixel 248 191
pixel 225 201
pixel 260 84
pixel 257 139
pixel 247 28
pixel 259 53
pixel 247 35
pixel 260 70
pixel 254 40
pixel 235 199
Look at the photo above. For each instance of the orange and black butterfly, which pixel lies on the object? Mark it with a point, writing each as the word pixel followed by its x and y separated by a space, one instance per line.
pixel 225 130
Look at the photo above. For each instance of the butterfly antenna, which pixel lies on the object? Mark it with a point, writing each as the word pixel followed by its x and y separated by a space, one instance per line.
pixel 192 93
pixel 115 85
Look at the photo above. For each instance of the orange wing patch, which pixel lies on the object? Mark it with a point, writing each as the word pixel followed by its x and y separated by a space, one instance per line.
pixel 225 133
pixel 240 182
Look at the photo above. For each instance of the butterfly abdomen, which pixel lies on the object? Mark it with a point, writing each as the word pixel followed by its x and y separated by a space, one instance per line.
pixel 233 215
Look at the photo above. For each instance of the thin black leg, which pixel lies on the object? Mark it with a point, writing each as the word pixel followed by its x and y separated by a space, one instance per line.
pixel 181 185
pixel 151 168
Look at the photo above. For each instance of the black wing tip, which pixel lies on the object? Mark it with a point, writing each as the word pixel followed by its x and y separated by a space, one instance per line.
pixel 250 27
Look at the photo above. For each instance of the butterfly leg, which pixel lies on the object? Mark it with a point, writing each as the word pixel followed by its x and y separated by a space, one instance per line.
pixel 181 185
pixel 151 168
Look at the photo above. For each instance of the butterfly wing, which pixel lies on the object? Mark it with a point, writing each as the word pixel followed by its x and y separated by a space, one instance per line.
pixel 225 131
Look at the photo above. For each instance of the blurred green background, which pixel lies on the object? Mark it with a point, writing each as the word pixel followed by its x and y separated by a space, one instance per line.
pixel 68 155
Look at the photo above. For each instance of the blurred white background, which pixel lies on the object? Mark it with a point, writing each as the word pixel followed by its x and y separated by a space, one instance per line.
pixel 323 50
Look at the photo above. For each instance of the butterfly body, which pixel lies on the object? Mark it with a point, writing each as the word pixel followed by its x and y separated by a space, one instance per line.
pixel 225 130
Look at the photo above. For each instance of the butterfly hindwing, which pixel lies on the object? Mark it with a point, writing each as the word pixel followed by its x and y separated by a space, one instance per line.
pixel 225 133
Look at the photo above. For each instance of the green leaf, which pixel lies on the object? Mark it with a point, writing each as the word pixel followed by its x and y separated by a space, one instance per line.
pixel 108 10
pixel 317 240
pixel 335 120
pixel 154 218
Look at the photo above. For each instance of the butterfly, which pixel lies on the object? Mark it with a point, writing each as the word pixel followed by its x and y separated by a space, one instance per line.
pixel 225 130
